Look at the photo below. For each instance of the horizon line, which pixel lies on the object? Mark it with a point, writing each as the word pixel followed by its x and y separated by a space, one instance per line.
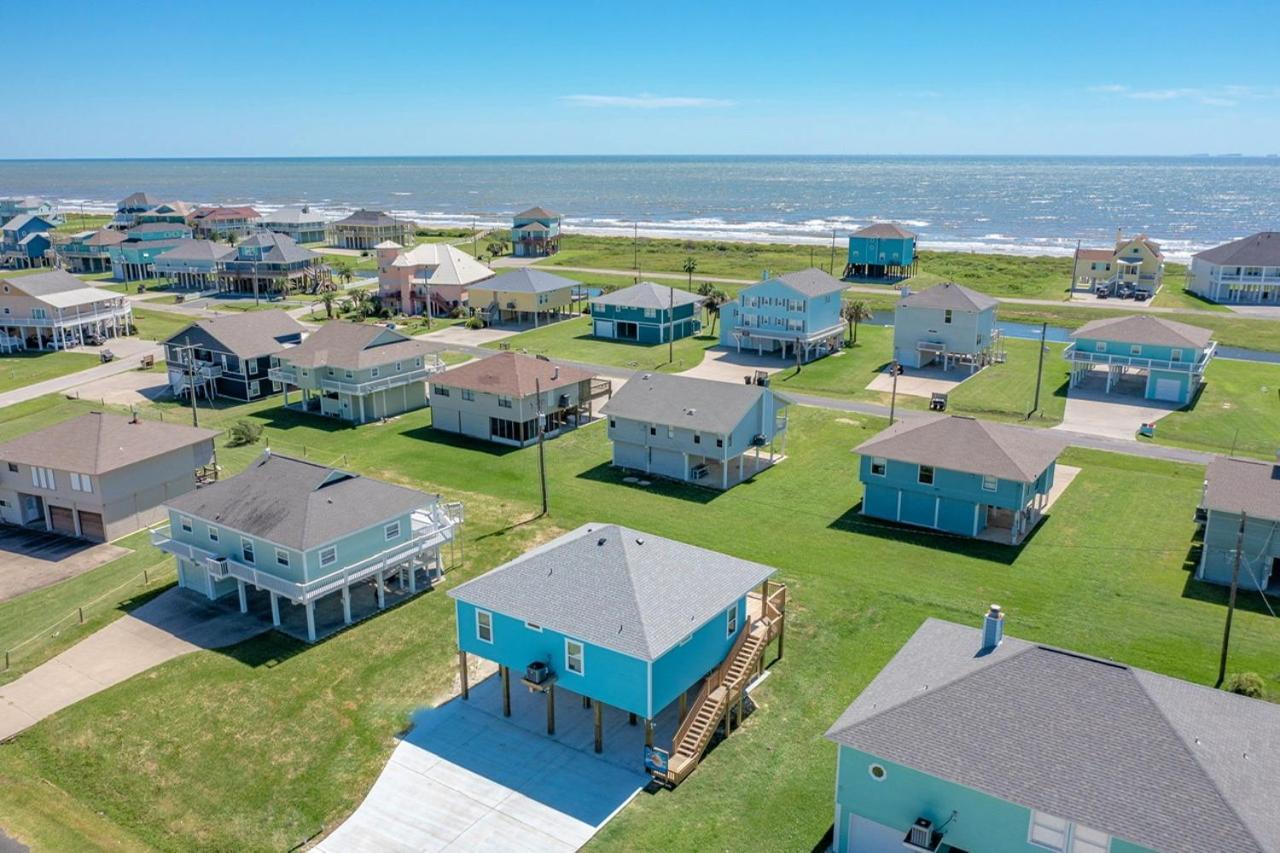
pixel 155 157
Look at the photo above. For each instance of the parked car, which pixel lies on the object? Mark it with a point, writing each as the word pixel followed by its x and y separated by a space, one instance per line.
pixel 1141 296
pixel 1101 293
pixel 1125 291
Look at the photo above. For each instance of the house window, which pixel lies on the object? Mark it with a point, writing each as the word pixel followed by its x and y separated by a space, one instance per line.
pixel 373 372
pixel 255 388
pixel 1055 833
pixel 877 772
pixel 348 374
pixel 989 482
pixel 468 394
pixel 504 402
pixel 13 468
pixel 731 621
pixel 397 367
pixel 612 423
pixel 184 523
pixel 719 442
pixel 573 654
pixel 1101 346
pixel 925 477
pixel 1175 355
pixel 246 550
pixel 43 478
pixel 391 531
pixel 946 316
pixel 1135 349
pixel 1086 840
pixel 484 626
pixel 329 556
pixel 533 626
pixel 81 483
pixel 653 430
pixel 697 439
pixel 650 313
pixel 879 465
pixel 213 534
pixel 440 390
pixel 282 557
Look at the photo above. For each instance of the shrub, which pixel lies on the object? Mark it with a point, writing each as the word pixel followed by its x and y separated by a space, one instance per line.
pixel 1245 684
pixel 243 432
pixel 475 323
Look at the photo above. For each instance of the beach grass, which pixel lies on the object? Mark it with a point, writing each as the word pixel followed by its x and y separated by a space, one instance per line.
pixel 27 368
pixel 266 743
pixel 76 223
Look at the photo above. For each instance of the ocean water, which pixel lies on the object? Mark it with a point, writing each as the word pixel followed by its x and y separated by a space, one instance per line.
pixel 1026 205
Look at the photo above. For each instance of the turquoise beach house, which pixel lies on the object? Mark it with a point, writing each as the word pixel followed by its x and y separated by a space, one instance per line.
pixel 786 314
pixel 88 251
pixel 627 620
pixel 135 258
pixel 1156 358
pixel 881 251
pixel 333 544
pixel 645 313
pixel 535 233
pixel 960 475
pixel 946 325
pixel 1236 491
pixel 969 741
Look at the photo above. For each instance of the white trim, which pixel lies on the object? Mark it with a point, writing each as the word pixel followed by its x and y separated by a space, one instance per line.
pixel 581 656
pixel 214 535
pixel 333 551
pixel 871 771
pixel 731 620
pixel 386 530
pixel 884 466
pixel 489 626
pixel 281 552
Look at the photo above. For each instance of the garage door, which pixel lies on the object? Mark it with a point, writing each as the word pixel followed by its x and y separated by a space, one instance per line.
pixel 91 526
pixel 1168 389
pixel 62 520
pixel 867 836
pixel 604 328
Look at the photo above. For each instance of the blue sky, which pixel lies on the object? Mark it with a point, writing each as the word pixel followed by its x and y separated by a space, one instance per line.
pixel 240 79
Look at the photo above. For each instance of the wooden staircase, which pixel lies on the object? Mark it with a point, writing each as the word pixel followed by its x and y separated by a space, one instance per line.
pixel 724 688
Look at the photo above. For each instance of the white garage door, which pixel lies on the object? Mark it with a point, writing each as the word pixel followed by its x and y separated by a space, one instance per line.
pixel 604 328
pixel 867 836
pixel 1168 389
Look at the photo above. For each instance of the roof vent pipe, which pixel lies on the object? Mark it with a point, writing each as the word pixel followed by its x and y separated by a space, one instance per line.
pixel 992 628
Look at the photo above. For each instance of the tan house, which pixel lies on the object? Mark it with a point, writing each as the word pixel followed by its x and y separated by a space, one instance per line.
pixel 100 476
pixel 524 296
pixel 365 229
pixel 1134 264
pixel 56 310
pixel 431 273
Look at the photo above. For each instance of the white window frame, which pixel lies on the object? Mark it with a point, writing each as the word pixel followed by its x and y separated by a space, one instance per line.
pixel 873 769
pixel 248 551
pixel 731 620
pixel 75 481
pixel 569 656
pixel 933 473
pixel 282 558
pixel 1135 349
pixel 946 316
pixel 1100 841
pixel 373 372
pixel 879 462
pixel 391 531
pixel 86 484
pixel 486 623
pixel 1175 354
pixel 184 523
pixel 213 533
pixel 329 555
pixel 504 402
pixel 990 482
pixel 1101 346
pixel 468 394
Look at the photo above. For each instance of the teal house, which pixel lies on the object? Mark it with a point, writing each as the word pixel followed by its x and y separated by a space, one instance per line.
pixel 135 258
pixel 645 313
pixel 881 251
pixel 626 620
pixel 535 233
pixel 88 251
pixel 1236 492
pixel 960 475
pixel 316 545
pixel 796 316
pixel 969 740
pixel 1141 355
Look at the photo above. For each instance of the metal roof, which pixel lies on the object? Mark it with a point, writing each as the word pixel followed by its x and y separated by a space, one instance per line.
pixel 615 587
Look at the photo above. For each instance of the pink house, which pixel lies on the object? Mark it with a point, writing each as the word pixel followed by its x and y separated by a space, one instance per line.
pixel 434 272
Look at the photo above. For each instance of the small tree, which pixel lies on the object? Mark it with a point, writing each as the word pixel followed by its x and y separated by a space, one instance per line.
pixel 496 247
pixel 712 303
pixel 690 266
pixel 855 312
pixel 1246 684
pixel 327 298
pixel 243 432
pixel 344 270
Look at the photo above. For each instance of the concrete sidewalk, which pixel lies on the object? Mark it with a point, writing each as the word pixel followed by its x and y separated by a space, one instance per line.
pixel 170 625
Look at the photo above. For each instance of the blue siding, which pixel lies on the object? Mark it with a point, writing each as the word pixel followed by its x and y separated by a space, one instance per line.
pixel 687 663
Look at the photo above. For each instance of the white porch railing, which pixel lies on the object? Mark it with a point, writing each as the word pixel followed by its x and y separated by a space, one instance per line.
pixel 67 319
pixel 1072 354
pixel 288 375
pixel 394 380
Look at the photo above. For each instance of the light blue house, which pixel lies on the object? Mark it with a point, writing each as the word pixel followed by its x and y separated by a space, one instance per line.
pixel 960 475
pixel 192 263
pixel 948 326
pixel 645 313
pixel 300 223
pixel 134 259
pixel 1240 491
pixel 699 431
pixel 881 251
pixel 535 233
pixel 627 620
pixel 1141 354
pixel 969 740
pixel 25 241
pixel 29 206
pixel 329 542
pixel 786 314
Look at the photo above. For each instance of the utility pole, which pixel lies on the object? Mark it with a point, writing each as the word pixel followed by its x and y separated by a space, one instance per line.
pixel 1075 270
pixel 191 382
pixel 671 329
pixel 832 269
pixel 1231 602
pixel 542 435
pixel 475 241
pixel 635 243
pixel 893 398
pixel 1044 331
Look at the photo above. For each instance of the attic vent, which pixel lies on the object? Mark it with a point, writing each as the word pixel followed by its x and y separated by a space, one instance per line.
pixel 600 541
pixel 639 541
pixel 690 412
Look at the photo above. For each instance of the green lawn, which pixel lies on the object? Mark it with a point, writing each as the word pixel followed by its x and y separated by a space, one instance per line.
pixel 28 368
pixel 157 325
pixel 572 340
pixel 1238 408
pixel 88 222
pixel 261 745
pixel 1174 293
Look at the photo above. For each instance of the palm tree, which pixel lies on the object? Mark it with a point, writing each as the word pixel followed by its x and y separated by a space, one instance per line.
pixel 690 266
pixel 327 298
pixel 854 312
pixel 704 290
pixel 713 302
pixel 343 269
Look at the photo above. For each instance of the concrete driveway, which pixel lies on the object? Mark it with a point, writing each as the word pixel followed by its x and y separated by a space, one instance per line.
pixel 460 334
pixel 132 388
pixel 725 365
pixel 1092 411
pixel 466 778
pixel 921 381
pixel 31 559
pixel 170 625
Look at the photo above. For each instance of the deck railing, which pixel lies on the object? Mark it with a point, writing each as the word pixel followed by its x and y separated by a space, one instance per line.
pixel 430 365
pixel 1072 353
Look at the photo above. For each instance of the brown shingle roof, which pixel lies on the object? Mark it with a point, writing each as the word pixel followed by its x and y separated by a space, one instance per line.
pixel 1261 249
pixel 536 213
pixel 884 229
pixel 1145 329
pixel 1243 485
pixel 511 374
pixel 1096 254
pixel 970 445
pixel 340 343
pixel 97 442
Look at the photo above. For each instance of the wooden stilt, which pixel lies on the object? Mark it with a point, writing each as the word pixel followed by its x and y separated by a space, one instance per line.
pixel 782 627
pixel 462 673
pixel 599 727
pixel 648 732
pixel 551 709
pixel 684 706
pixel 506 690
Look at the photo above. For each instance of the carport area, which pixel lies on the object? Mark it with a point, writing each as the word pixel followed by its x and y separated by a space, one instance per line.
pixel 467 778
pixel 1119 414
pixel 32 559
pixel 921 381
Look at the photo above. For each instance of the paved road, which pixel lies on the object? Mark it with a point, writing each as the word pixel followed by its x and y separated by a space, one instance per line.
pixel 170 625
pixel 128 352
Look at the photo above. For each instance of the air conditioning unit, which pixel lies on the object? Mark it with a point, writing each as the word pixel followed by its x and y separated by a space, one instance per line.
pixel 922 836
pixel 217 567
pixel 759 440
pixel 537 672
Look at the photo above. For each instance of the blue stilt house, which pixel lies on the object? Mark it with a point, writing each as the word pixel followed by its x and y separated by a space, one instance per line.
pixel 535 233
pixel 960 475
pixel 881 251
pixel 969 740
pixel 628 620
pixel 645 313
pixel 1149 356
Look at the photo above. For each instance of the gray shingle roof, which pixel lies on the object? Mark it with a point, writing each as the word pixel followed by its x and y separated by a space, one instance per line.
pixel 1243 485
pixel 291 216
pixel 646 294
pixel 811 282
pixel 527 280
pixel 97 443
pixel 370 217
pixel 536 213
pixel 1145 329
pixel 22 220
pixel 884 229
pixel 1261 249
pixel 340 343
pixel 966 444
pixel 47 283
pixel 198 250
pixel 248 335
pixel 278 248
pixel 1167 764
pixel 948 295
pixel 297 504
pixel 615 587
pixel 137 201
pixel 705 405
